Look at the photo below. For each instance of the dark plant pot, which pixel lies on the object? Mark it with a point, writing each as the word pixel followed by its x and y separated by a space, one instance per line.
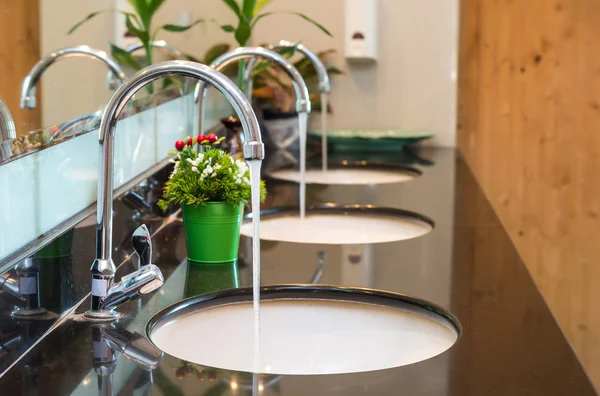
pixel 233 143
pixel 212 231
pixel 60 247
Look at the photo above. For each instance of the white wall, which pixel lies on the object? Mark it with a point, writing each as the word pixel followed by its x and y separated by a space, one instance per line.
pixel 412 86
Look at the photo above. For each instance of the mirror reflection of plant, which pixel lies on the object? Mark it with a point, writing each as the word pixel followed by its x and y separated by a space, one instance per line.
pixel 208 175
pixel 249 13
pixel 273 89
pixel 138 24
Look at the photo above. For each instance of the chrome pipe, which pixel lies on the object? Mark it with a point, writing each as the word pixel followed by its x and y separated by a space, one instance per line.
pixel 103 269
pixel 159 44
pixel 7 125
pixel 300 89
pixel 30 82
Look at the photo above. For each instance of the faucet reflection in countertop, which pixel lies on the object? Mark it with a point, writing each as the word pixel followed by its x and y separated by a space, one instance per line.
pixel 108 343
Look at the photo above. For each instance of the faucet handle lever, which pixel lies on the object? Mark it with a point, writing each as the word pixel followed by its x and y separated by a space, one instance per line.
pixel 142 244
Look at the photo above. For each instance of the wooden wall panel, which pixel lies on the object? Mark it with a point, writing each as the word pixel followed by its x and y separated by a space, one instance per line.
pixel 529 127
pixel 19 51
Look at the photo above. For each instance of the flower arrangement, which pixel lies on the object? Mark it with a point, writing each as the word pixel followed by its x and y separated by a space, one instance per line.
pixel 208 174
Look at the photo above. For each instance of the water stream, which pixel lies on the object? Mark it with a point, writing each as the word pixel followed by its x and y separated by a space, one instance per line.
pixel 302 120
pixel 324 131
pixel 254 166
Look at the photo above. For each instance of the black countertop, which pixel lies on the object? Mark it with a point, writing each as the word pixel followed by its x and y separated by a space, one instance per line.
pixel 510 344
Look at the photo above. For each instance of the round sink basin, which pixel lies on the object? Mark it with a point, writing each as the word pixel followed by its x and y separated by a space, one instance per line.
pixel 304 330
pixel 360 173
pixel 335 224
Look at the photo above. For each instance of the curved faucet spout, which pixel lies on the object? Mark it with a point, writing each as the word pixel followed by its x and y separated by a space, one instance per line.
pixel 159 44
pixel 103 269
pixel 30 82
pixel 300 89
pixel 323 76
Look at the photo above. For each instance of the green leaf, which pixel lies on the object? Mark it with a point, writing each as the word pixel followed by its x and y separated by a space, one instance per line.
pixel 234 6
pixel 84 20
pixel 180 28
pixel 334 71
pixel 142 34
pixel 321 27
pixel 260 4
pixel 93 14
pixel 228 28
pixel 248 9
pixel 154 5
pixel 242 33
pixel 214 52
pixel 123 57
pixel 262 66
pixel 306 18
pixel 142 7
pixel 192 58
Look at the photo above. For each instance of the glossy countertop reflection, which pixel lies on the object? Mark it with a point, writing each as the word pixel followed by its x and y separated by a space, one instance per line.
pixel 510 343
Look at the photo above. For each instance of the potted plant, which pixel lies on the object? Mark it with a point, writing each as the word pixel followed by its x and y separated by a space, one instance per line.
pixel 212 188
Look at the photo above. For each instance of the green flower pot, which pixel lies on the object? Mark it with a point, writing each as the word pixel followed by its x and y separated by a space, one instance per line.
pixel 212 231
pixel 205 278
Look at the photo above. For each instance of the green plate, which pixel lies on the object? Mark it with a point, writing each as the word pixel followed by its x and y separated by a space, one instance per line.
pixel 370 139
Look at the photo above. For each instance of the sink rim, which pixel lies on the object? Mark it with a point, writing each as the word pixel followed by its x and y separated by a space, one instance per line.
pixel 302 291
pixel 330 208
pixel 351 164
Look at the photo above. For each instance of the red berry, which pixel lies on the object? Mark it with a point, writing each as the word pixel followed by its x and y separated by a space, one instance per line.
pixel 202 137
pixel 212 138
pixel 189 141
pixel 179 145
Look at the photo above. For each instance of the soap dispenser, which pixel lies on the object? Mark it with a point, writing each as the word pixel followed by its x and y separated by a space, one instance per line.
pixel 361 30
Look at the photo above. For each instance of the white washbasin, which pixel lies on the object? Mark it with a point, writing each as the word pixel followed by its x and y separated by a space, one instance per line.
pixel 348 176
pixel 340 224
pixel 305 330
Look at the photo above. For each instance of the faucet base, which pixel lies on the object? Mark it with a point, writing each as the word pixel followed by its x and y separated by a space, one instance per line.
pixel 33 314
pixel 100 316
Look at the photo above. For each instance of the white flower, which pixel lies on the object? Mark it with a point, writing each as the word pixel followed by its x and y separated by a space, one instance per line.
pixel 245 179
pixel 172 161
pixel 191 161
pixel 238 181
pixel 214 174
pixel 194 169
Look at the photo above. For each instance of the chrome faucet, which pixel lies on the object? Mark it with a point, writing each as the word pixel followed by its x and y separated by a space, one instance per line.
pixel 103 269
pixel 302 98
pixel 7 125
pixel 30 83
pixel 324 85
pixel 173 52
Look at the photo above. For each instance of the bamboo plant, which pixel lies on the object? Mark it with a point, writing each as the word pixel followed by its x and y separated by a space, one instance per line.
pixel 139 24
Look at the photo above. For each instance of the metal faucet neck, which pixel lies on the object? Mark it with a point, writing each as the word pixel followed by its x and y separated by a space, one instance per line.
pixel 103 269
pixel 323 76
pixel 30 82
pixel 7 125
pixel 256 53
